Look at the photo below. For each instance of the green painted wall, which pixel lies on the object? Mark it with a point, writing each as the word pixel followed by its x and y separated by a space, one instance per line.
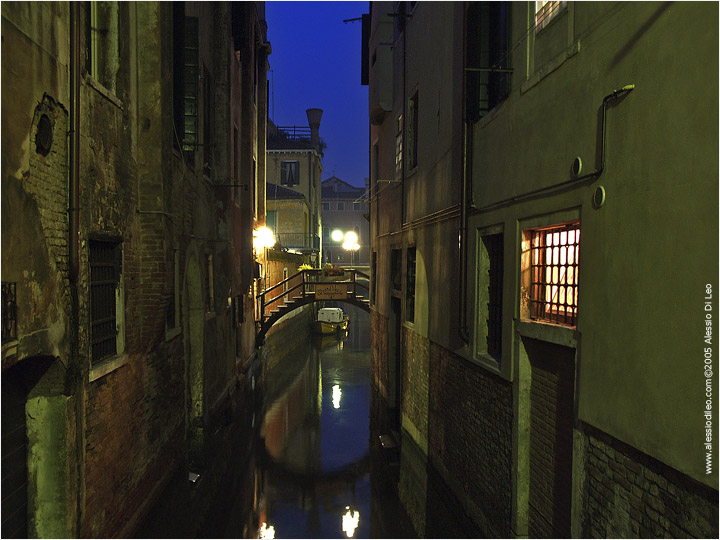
pixel 647 254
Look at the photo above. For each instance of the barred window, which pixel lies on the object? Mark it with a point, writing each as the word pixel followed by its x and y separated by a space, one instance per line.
pixel 105 260
pixel 554 267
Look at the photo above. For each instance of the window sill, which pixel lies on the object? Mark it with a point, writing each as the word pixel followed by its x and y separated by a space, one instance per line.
pixel 209 315
pixel 107 366
pixel 552 333
pixel 488 362
pixel 550 66
pixel 172 333
pixel 103 91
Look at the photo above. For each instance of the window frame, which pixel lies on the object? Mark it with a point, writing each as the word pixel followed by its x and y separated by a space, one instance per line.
pixel 490 269
pixel 410 283
pixel 539 284
pixel 294 164
pixel 111 302
pixel 547 11
pixel 412 134
pixel 399 146
pixel 172 328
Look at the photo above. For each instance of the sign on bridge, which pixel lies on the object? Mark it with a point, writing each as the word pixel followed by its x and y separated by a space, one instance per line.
pixel 330 291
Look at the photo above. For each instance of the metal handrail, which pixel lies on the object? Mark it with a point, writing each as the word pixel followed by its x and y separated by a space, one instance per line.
pixel 304 284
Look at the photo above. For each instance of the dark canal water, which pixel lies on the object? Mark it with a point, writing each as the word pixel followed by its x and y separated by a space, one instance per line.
pixel 316 432
pixel 305 466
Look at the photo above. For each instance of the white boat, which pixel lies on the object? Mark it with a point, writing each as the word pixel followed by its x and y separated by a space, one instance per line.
pixel 330 320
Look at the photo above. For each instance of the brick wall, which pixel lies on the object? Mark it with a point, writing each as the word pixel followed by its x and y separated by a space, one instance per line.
pixel 131 441
pixel 629 494
pixel 551 439
pixel 470 438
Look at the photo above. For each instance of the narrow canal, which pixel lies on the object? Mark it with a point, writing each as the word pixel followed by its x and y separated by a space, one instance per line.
pixel 306 466
pixel 316 431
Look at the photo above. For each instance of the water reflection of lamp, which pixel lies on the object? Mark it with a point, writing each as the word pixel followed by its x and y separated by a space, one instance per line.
pixel 350 522
pixel 266 532
pixel 336 395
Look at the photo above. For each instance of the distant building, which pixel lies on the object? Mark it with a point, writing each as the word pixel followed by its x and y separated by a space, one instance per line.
pixel 544 180
pixel 345 208
pixel 294 163
pixel 287 213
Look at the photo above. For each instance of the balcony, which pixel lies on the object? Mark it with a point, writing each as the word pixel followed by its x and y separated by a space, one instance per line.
pixel 300 241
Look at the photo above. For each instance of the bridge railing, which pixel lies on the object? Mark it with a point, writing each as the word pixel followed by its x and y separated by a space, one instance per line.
pixel 292 289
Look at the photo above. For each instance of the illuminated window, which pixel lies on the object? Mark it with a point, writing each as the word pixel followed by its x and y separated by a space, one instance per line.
pixel 554 265
pixel 546 10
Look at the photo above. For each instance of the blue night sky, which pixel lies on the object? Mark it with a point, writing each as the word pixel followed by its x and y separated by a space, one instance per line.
pixel 315 62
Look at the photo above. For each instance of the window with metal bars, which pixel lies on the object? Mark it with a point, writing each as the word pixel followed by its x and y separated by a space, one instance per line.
pixel 487 57
pixel 492 246
pixel 105 259
pixel 554 268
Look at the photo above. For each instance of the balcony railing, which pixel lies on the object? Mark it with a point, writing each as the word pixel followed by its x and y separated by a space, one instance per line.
pixel 9 310
pixel 298 240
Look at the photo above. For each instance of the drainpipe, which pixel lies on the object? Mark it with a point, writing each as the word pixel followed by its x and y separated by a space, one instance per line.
pixel 465 197
pixel 594 174
pixel 74 249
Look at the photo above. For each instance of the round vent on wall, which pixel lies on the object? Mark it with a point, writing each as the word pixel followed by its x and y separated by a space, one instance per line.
pixel 44 135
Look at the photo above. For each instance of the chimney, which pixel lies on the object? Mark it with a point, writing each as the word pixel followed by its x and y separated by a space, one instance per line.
pixel 314 116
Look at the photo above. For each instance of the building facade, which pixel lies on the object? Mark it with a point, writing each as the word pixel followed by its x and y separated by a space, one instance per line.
pixel 122 348
pixel 345 208
pixel 294 162
pixel 528 372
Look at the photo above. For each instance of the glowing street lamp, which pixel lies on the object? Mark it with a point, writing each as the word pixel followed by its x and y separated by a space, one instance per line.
pixel 336 235
pixel 263 238
pixel 350 244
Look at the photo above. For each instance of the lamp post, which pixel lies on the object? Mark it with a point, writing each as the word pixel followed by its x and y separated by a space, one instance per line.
pixel 351 244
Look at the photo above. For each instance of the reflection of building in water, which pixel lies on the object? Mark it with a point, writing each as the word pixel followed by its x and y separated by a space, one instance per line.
pixel 292 421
